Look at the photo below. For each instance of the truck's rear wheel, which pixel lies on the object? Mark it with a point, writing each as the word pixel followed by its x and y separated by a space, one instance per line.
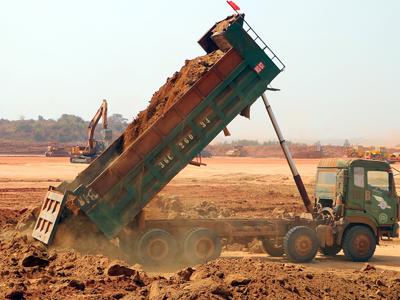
pixel 300 244
pixel 272 248
pixel 330 251
pixel 156 247
pixel 359 243
pixel 201 245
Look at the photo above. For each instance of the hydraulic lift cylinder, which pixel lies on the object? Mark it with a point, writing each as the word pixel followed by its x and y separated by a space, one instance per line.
pixel 296 176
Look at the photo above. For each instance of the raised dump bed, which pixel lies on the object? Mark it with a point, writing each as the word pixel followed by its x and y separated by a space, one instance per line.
pixel 113 190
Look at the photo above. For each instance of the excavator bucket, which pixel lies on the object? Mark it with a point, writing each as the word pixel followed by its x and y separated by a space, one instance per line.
pixel 49 215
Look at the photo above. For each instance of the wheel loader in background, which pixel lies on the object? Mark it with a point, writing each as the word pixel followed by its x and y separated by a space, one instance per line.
pixel 378 153
pixel 355 203
pixel 373 153
pixel 86 154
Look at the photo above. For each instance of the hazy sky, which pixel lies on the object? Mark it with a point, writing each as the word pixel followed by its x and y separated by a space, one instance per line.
pixel 342 77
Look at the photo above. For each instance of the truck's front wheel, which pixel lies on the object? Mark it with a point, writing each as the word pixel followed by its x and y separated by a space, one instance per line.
pixel 156 247
pixel 300 244
pixel 359 243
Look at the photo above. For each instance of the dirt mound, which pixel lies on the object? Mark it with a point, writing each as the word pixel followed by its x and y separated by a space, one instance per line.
pixel 208 209
pixel 255 247
pixel 221 26
pixel 8 217
pixel 169 93
pixel 32 271
pixel 274 150
pixel 29 270
pixel 173 208
pixel 256 279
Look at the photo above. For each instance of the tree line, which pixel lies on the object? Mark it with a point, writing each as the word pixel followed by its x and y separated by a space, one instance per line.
pixel 67 128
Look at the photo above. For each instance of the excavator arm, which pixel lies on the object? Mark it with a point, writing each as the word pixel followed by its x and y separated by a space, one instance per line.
pixel 101 113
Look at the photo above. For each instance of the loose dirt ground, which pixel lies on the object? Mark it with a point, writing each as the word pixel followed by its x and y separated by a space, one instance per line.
pixel 24 181
pixel 246 187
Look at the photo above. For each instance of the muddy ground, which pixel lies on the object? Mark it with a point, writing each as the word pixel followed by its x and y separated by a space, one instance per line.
pixel 227 187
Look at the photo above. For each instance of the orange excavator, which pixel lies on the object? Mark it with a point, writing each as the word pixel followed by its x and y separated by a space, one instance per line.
pixel 86 154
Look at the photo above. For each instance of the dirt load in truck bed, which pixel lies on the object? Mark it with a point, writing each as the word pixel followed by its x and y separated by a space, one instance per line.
pixel 169 93
pixel 221 26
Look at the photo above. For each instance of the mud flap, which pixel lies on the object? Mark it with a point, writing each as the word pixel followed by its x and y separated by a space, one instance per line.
pixel 49 215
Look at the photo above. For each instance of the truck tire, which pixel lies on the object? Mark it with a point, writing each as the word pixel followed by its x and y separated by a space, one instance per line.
pixel 330 251
pixel 271 248
pixel 300 244
pixel 156 247
pixel 201 245
pixel 359 243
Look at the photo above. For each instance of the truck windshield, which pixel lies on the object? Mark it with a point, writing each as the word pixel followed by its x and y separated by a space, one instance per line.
pixel 327 178
pixel 378 180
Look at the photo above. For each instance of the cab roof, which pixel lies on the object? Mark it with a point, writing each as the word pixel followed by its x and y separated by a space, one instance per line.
pixel 343 163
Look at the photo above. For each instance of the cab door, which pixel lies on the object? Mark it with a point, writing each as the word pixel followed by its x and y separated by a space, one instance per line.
pixel 380 197
pixel 356 197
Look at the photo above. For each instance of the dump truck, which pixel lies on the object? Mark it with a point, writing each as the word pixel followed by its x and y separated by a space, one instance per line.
pixel 350 210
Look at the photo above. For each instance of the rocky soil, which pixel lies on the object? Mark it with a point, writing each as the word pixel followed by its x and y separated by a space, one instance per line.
pixel 29 270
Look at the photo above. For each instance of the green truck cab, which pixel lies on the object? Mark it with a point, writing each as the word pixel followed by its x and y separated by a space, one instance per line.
pixel 358 200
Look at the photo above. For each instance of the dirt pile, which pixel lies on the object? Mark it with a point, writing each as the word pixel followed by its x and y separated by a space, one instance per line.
pixel 274 150
pixel 173 208
pixel 8 218
pixel 254 247
pixel 169 93
pixel 29 270
pixel 208 209
pixel 221 26
pixel 256 279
